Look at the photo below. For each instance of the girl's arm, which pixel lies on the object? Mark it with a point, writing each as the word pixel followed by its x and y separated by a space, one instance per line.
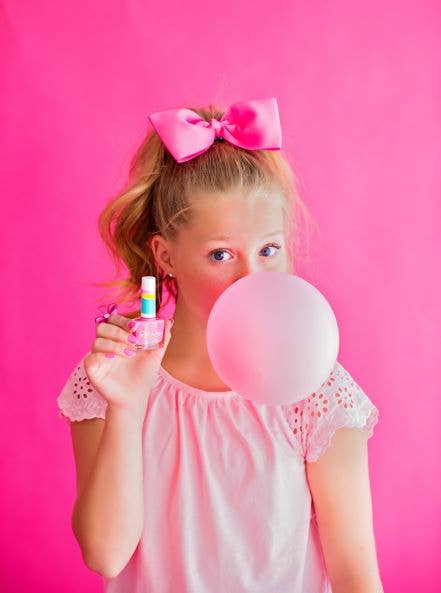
pixel 340 488
pixel 108 515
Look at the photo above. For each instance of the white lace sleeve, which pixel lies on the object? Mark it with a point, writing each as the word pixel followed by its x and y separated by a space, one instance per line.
pixel 78 400
pixel 339 402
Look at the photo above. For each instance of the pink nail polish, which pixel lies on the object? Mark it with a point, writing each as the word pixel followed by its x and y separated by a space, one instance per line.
pixel 150 329
pixel 131 324
pixel 129 352
pixel 110 355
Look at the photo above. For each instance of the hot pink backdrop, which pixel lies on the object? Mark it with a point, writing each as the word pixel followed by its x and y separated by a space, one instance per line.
pixel 359 92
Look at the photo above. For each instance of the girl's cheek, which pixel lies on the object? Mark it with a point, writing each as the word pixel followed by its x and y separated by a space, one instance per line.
pixel 209 286
pixel 212 292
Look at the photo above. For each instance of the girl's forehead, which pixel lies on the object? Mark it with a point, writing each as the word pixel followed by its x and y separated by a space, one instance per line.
pixel 234 225
pixel 217 211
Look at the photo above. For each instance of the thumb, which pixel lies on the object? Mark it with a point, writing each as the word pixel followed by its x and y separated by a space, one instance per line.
pixel 167 333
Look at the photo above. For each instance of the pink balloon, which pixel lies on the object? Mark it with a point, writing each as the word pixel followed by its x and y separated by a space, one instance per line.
pixel 272 337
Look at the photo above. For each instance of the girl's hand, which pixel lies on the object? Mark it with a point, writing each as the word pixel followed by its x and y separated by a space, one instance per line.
pixel 125 380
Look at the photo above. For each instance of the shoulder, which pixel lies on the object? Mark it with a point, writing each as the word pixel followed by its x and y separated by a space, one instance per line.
pixel 339 402
pixel 78 399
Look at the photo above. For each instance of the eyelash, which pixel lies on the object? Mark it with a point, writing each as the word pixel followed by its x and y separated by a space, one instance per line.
pixel 275 245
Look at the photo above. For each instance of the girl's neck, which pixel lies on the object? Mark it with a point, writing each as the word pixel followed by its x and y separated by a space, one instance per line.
pixel 200 378
pixel 186 357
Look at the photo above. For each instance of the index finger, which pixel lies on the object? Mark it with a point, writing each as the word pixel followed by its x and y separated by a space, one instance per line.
pixel 119 320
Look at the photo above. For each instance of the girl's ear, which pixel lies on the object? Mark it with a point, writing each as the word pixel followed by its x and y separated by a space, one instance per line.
pixel 161 254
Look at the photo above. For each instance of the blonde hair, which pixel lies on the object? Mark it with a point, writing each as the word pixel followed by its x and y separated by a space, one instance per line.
pixel 158 199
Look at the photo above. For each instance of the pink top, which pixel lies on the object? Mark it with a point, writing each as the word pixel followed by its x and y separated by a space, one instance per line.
pixel 227 502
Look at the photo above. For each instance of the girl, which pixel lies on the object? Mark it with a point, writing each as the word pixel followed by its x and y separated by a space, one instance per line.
pixel 184 486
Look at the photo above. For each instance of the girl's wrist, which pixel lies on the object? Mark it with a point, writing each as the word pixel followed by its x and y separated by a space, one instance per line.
pixel 132 416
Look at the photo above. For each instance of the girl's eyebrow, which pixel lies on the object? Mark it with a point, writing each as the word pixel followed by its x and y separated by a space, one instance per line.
pixel 228 237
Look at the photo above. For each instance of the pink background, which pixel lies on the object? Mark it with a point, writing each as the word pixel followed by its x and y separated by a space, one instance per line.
pixel 359 93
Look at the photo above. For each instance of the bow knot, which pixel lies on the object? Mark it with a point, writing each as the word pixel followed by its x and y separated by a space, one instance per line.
pixel 254 125
pixel 112 308
pixel 217 125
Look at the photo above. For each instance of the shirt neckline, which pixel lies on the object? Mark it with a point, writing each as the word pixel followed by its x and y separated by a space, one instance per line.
pixel 195 390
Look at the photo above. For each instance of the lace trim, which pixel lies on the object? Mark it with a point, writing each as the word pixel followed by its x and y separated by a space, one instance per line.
pixel 339 402
pixel 78 400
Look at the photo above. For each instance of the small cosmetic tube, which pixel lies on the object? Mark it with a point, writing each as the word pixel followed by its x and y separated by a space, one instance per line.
pixel 150 329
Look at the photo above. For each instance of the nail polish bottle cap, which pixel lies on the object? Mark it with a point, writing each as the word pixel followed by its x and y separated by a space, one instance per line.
pixel 148 284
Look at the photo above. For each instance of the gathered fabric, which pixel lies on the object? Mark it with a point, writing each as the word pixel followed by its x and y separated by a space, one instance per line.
pixel 226 499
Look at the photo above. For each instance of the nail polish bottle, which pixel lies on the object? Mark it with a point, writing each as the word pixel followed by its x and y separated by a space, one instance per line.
pixel 150 329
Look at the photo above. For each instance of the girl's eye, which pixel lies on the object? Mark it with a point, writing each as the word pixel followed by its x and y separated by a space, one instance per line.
pixel 275 245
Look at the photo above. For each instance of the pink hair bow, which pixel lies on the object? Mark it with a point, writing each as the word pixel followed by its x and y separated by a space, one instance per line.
pixel 253 124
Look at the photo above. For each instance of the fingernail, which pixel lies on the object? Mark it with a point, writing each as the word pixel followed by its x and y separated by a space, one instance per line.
pixel 132 339
pixel 131 324
pixel 109 355
pixel 129 352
